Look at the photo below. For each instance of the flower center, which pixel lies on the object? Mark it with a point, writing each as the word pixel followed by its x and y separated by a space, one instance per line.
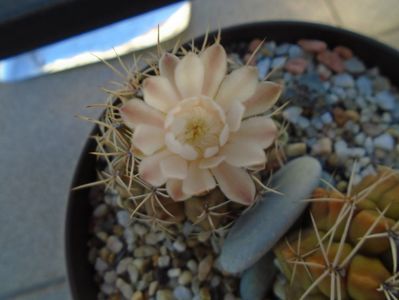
pixel 195 125
pixel 196 129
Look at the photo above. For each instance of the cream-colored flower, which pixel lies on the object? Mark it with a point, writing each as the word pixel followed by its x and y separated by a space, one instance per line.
pixel 198 127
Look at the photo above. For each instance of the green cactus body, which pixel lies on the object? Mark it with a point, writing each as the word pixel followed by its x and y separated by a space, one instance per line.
pixel 349 250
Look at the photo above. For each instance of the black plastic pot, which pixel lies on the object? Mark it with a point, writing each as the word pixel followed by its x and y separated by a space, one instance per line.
pixel 80 272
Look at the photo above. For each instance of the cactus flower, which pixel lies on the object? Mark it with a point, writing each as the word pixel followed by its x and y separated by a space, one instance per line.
pixel 199 127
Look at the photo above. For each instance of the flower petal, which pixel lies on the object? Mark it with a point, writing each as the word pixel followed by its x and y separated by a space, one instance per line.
pixel 215 62
pixel 234 116
pixel 211 162
pixel 185 151
pixel 224 135
pixel 266 95
pixel 235 183
pixel 136 112
pixel 198 180
pixel 167 66
pixel 174 167
pixel 241 154
pixel 239 85
pixel 211 151
pixel 150 170
pixel 148 139
pixel 261 131
pixel 189 75
pixel 159 93
pixel 174 188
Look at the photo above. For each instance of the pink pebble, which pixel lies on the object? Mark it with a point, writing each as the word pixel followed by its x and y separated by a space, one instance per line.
pixel 296 65
pixel 254 44
pixel 343 52
pixel 247 57
pixel 331 60
pixel 314 46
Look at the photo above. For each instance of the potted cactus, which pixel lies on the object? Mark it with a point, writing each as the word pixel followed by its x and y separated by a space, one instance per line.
pixel 203 165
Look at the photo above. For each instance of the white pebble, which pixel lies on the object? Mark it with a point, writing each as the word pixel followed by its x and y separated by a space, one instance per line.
pixel 369 145
pixel 174 272
pixel 215 281
pixel 107 289
pixel 163 261
pixel 179 246
pixel 182 293
pixel 326 118
pixel 341 149
pixel 229 297
pixel 344 80
pixel 164 295
pixel 110 277
pixel 205 267
pixel 100 211
pixel 122 265
pixel 145 251
pixel 152 288
pixel 133 273
pixel 114 244
pixel 140 229
pixel 322 147
pixel 124 288
pixel 100 265
pixel 151 239
pixel 384 141
pixel 292 113
pixel 303 122
pixel 185 278
pixel 386 100
pixel 192 266
pixel 123 218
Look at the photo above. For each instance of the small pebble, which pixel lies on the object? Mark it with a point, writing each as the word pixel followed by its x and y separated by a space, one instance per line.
pixel 204 267
pixel 153 288
pixel 295 51
pixel 343 52
pixel 133 273
pixel 140 229
pixel 263 68
pixel 163 261
pixel 322 147
pixel 100 211
pixel 344 80
pixel 110 277
pixel 179 246
pixel 185 278
pixel 354 66
pixel 386 100
pixel 314 46
pixel 125 288
pixel 123 218
pixel 332 61
pixel 192 266
pixel 385 142
pixel 278 62
pixel 182 293
pixel 164 295
pixel 138 295
pixel 292 113
pixel 100 265
pixel 296 66
pixel 254 44
pixel 145 251
pixel 175 272
pixel 114 244
pixel 295 149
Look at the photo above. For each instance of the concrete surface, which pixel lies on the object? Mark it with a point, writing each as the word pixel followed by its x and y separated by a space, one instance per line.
pixel 41 139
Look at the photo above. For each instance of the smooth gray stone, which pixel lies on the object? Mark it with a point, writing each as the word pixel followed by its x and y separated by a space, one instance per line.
pixel 258 279
pixel 259 229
